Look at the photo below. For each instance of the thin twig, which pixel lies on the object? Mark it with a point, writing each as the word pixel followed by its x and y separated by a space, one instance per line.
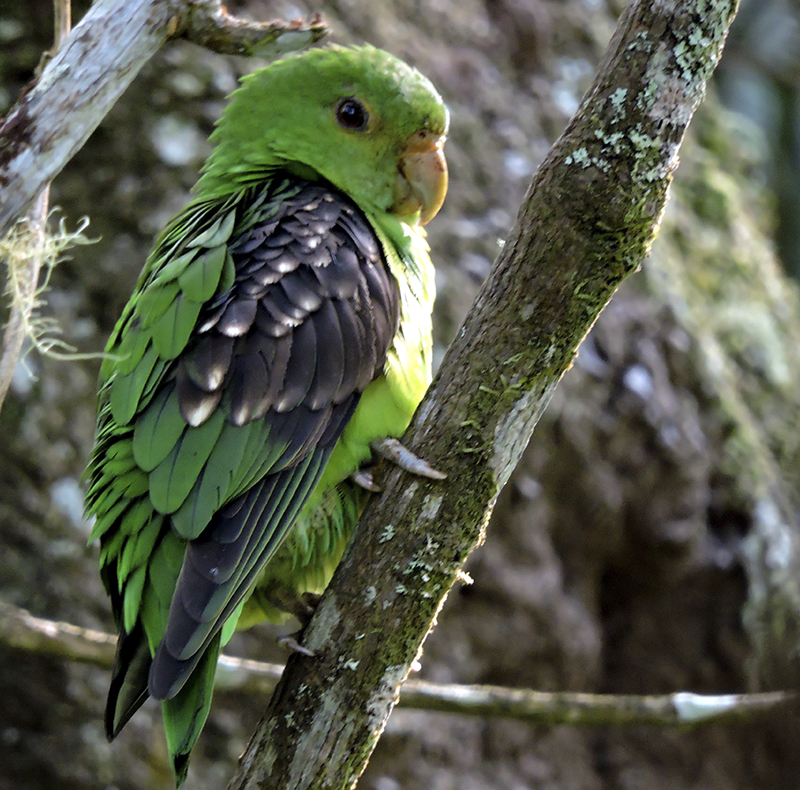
pixel 209 24
pixel 20 630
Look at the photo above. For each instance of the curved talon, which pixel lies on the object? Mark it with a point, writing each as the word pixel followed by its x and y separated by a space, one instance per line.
pixel 363 478
pixel 394 451
pixel 290 641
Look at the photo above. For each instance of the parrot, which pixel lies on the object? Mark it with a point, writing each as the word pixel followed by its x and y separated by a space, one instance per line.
pixel 279 331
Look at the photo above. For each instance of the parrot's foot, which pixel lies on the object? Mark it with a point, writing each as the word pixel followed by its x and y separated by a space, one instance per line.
pixel 306 606
pixel 303 608
pixel 300 605
pixel 290 641
pixel 363 477
pixel 393 451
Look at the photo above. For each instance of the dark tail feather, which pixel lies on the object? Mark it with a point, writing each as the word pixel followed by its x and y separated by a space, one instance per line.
pixel 128 689
pixel 186 713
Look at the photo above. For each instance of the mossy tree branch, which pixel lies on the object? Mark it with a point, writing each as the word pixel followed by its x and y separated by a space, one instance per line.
pixel 587 222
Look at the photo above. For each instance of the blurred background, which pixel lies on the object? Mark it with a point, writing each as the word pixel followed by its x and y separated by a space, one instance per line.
pixel 648 542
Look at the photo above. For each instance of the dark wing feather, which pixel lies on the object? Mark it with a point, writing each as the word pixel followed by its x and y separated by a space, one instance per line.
pixel 128 690
pixel 203 599
pixel 304 328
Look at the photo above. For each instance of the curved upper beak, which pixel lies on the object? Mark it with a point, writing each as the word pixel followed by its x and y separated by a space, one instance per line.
pixel 422 178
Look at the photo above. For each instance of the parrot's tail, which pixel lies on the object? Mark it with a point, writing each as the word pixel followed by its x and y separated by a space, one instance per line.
pixel 186 713
pixel 128 689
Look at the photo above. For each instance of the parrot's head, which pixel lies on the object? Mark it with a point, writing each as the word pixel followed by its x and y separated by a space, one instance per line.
pixel 358 117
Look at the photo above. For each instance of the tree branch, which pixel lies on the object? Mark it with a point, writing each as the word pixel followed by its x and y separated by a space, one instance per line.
pixel 210 25
pixel 20 630
pixel 56 114
pixel 587 222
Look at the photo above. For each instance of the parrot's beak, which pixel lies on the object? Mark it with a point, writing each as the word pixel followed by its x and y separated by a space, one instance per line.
pixel 422 178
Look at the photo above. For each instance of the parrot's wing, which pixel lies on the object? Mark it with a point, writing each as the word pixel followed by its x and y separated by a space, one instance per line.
pixel 234 419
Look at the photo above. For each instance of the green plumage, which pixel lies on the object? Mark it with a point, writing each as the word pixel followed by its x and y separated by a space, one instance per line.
pixel 280 325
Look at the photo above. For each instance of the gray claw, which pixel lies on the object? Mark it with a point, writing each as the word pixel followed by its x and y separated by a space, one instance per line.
pixel 293 645
pixel 393 450
pixel 363 478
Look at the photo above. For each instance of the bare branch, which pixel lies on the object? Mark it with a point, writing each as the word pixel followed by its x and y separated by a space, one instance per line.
pixel 683 708
pixel 210 25
pixel 587 222
pixel 62 22
pixel 57 113
pixel 22 631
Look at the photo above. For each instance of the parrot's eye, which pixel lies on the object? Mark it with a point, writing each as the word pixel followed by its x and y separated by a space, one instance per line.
pixel 351 114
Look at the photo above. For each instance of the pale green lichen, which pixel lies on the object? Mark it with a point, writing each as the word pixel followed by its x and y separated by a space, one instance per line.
pixel 647 97
pixel 613 141
pixel 415 565
pixel 580 157
pixel 618 98
pixel 21 246
pixel 696 38
pixel 683 57
pixel 430 507
pixel 387 534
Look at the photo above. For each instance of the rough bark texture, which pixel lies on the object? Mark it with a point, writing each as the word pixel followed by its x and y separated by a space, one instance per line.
pixel 641 523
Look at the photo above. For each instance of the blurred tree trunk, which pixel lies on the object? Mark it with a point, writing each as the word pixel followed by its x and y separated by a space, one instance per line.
pixel 647 542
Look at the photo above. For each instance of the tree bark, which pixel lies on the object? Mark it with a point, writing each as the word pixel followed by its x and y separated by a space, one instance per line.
pixel 587 222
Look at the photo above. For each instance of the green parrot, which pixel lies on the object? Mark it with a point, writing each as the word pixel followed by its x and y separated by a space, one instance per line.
pixel 280 327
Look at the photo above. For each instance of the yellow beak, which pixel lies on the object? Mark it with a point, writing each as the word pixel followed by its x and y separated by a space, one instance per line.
pixel 422 177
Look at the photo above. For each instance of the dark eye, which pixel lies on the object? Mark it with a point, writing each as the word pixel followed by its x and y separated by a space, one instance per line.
pixel 352 114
